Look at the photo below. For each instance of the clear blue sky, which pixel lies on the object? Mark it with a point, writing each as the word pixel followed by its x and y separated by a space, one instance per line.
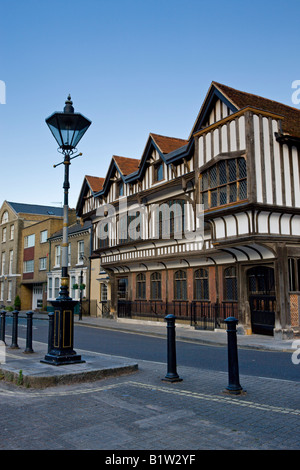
pixel 132 67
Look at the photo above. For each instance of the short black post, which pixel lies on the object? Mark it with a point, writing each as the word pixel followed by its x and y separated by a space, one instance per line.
pixel 2 326
pixel 234 386
pixel 50 331
pixel 29 333
pixel 14 343
pixel 171 375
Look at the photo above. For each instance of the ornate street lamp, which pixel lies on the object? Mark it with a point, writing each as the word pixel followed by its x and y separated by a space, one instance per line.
pixel 67 128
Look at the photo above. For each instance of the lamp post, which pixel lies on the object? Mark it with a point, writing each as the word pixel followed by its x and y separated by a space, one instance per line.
pixel 67 128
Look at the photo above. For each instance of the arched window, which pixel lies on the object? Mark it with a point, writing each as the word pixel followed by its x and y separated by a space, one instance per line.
pixel 4 218
pixel 230 283
pixel 201 290
pixel 141 286
pixel 155 286
pixel 180 285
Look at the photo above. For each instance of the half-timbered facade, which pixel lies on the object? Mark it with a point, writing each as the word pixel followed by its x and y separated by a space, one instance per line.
pixel 209 226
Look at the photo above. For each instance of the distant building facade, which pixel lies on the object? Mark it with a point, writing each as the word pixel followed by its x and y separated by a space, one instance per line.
pixel 14 218
pixel 79 250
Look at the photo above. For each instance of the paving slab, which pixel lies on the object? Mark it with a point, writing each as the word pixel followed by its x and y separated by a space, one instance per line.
pixel 27 369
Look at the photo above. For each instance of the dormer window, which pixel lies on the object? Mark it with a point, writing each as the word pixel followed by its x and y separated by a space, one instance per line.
pixel 158 172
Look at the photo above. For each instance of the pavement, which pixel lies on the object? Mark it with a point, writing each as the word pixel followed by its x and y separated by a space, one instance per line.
pixel 120 406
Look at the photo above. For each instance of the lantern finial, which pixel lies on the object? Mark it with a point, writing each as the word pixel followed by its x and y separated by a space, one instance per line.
pixel 68 105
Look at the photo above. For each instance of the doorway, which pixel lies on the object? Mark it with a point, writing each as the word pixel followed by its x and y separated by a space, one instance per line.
pixel 262 299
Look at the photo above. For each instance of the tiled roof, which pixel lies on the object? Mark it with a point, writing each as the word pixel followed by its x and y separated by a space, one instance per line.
pixel 168 144
pixel 23 208
pixel 127 165
pixel 72 229
pixel 95 182
pixel 241 99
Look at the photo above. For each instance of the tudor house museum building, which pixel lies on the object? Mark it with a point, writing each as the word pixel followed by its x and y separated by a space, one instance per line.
pixel 205 227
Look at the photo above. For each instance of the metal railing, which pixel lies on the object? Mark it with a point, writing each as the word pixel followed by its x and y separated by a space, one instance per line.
pixel 201 314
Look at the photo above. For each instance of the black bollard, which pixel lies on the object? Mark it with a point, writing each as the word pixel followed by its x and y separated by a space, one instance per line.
pixel 2 326
pixel 234 386
pixel 171 375
pixel 14 343
pixel 50 331
pixel 29 333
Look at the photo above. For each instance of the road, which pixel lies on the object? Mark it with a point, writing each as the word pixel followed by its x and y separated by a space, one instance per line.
pixel 191 354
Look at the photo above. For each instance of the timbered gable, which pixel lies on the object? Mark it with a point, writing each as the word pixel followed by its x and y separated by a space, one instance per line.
pixel 86 200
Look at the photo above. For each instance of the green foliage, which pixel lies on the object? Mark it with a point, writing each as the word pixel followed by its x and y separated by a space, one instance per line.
pixel 17 303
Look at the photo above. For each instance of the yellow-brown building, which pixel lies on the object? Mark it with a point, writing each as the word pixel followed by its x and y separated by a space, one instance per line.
pixel 14 218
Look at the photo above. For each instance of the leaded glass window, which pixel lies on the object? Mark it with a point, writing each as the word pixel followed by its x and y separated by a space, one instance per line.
pixel 230 283
pixel 201 285
pixel 155 286
pixel 224 183
pixel 180 285
pixel 141 286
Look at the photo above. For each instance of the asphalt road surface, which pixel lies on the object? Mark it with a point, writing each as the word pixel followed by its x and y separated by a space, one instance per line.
pixel 136 346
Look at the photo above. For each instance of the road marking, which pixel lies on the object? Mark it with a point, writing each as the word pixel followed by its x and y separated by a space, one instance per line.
pixel 220 399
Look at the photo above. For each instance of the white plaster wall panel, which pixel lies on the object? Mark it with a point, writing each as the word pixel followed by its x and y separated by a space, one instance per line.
pixel 208 146
pixel 295 160
pixel 242 133
pixel 287 177
pixel 218 110
pixel 224 138
pixel 257 152
pixel 243 223
pixel 285 224
pixel 201 151
pixel 231 226
pixel 295 225
pixel 216 142
pixel 267 157
pixel 219 228
pixel 274 223
pixel 277 164
pixel 232 131
pixel 224 110
pixel 263 222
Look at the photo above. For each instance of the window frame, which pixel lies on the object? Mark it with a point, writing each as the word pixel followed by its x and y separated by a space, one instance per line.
pixel 157 168
pixel 29 240
pixel 180 285
pixel 215 185
pixel 141 286
pixel 155 286
pixel 42 237
pixel 201 284
pixel 226 278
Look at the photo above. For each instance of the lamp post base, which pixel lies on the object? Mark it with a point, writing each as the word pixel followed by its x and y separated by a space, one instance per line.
pixel 60 347
pixel 56 360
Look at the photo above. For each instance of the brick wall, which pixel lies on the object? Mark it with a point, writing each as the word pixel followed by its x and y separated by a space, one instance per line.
pixel 294 308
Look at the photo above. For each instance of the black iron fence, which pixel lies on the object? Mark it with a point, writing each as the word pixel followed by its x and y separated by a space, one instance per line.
pixel 200 314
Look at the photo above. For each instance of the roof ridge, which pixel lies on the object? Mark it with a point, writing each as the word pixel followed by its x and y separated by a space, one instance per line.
pixel 246 93
pixel 168 137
